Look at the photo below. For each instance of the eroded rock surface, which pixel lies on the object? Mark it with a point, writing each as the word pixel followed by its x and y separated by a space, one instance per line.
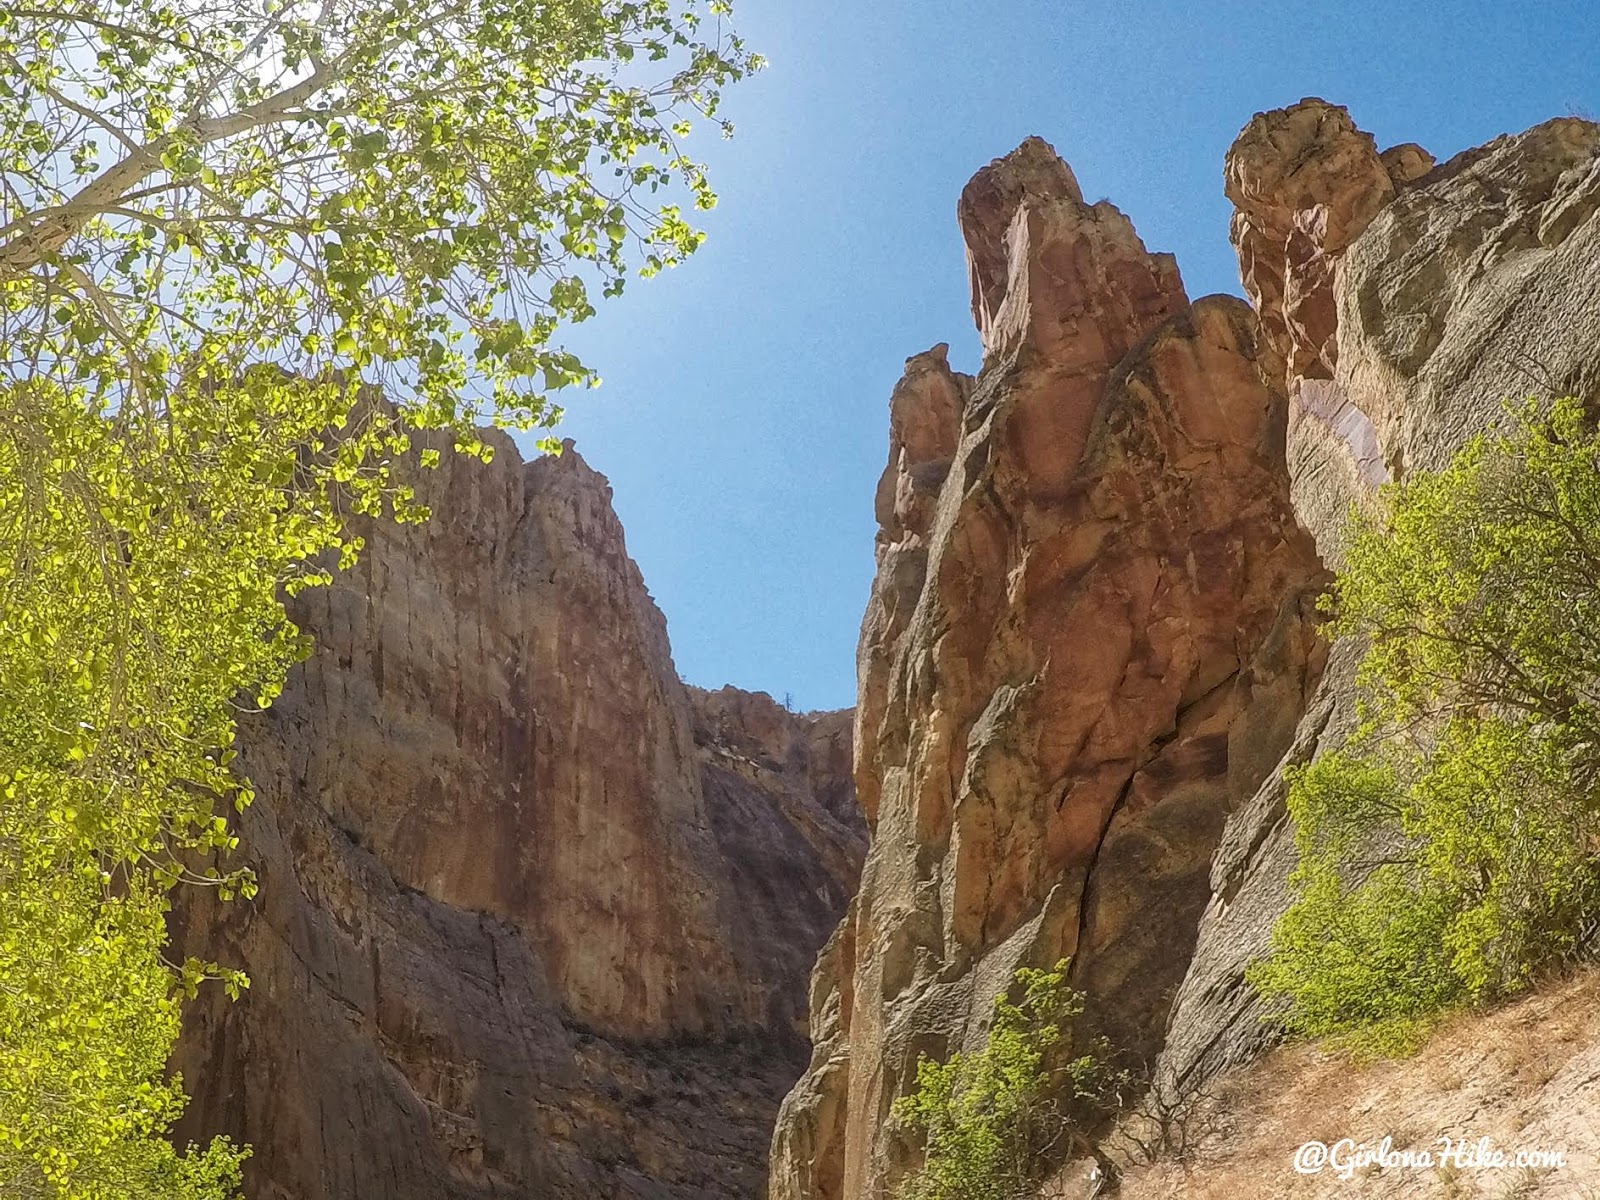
pixel 535 918
pixel 1089 637
pixel 1304 183
pixel 1470 283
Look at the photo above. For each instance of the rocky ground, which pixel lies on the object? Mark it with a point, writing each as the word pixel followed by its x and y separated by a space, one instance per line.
pixel 1526 1077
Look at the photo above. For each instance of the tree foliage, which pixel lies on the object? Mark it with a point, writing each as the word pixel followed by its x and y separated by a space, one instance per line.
pixel 412 192
pixel 1449 851
pixel 995 1121
pixel 224 232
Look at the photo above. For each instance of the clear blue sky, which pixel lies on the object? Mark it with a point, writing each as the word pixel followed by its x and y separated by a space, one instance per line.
pixel 743 417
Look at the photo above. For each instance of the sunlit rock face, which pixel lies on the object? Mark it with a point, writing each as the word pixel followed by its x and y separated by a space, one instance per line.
pixel 1439 293
pixel 1090 636
pixel 535 918
pixel 1304 182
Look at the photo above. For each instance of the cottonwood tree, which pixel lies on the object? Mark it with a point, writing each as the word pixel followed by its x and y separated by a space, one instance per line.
pixel 1447 851
pixel 224 230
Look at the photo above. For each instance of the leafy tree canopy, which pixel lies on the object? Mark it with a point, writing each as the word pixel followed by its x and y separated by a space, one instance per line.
pixel 413 193
pixel 224 231
pixel 1447 852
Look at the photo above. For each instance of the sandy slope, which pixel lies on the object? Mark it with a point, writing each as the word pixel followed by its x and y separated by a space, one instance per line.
pixel 1526 1076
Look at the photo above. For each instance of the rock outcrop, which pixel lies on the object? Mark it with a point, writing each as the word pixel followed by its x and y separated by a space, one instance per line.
pixel 1090 636
pixel 1443 293
pixel 535 918
pixel 1304 183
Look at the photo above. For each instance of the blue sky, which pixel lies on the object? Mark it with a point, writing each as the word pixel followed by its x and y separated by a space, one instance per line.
pixel 743 418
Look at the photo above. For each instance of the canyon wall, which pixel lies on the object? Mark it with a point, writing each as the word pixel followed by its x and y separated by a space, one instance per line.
pixel 535 918
pixel 1090 637
pixel 1409 301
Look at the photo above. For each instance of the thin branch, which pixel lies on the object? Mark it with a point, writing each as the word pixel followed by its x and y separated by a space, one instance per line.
pixel 67 102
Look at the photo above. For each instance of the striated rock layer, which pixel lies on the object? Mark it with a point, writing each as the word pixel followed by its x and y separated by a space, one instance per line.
pixel 1090 636
pixel 535 918
pixel 1433 296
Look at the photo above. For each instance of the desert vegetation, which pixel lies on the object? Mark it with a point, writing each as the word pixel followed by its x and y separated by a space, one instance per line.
pixel 225 232
pixel 1447 851
pixel 994 1121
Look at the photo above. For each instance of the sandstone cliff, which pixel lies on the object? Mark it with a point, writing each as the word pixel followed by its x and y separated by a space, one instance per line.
pixel 535 918
pixel 1089 637
pixel 1410 303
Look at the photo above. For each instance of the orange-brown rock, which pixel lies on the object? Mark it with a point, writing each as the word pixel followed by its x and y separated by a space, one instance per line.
pixel 1305 182
pixel 1088 637
pixel 535 918
pixel 1474 282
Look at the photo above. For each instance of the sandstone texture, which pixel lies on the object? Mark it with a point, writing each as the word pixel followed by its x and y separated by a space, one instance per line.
pixel 1090 636
pixel 1304 183
pixel 535 918
pixel 1443 293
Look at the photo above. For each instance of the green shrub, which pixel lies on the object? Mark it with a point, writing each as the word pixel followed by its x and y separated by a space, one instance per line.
pixel 1448 852
pixel 995 1121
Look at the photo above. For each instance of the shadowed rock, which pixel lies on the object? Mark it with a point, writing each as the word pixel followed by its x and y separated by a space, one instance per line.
pixel 535 918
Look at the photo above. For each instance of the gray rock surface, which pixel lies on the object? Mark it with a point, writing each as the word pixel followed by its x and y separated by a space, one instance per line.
pixel 1476 282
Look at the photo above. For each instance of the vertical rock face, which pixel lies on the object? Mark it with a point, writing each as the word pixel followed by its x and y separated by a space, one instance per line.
pixel 535 918
pixel 1451 291
pixel 1088 638
pixel 783 810
pixel 1304 182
